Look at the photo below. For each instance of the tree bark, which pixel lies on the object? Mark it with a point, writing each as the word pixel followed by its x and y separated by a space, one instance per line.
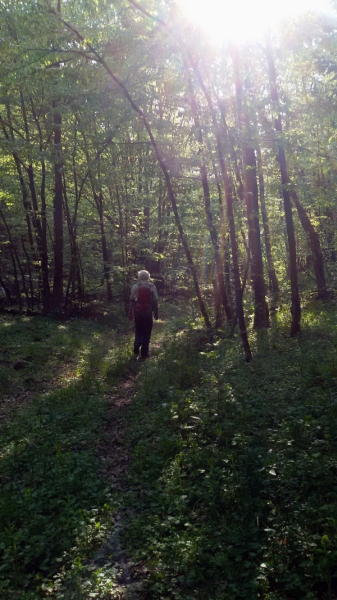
pixel 251 194
pixel 98 198
pixel 57 298
pixel 14 255
pixel 274 286
pixel 314 244
pixel 230 213
pixel 295 296
pixel 43 226
pixel 219 289
pixel 162 165
pixel 25 196
pixel 74 279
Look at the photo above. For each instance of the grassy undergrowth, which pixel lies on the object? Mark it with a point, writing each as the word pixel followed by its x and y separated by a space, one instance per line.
pixel 233 488
pixel 55 509
pixel 235 466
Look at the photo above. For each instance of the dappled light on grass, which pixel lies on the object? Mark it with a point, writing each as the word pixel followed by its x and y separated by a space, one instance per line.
pixel 55 511
pixel 236 466
pixel 6 324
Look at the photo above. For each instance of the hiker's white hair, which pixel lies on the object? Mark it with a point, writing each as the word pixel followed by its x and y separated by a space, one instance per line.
pixel 143 276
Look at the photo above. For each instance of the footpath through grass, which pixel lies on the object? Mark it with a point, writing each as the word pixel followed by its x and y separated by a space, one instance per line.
pixel 232 492
pixel 58 505
pixel 234 478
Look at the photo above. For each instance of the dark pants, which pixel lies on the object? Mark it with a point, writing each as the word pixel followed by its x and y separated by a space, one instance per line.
pixel 143 324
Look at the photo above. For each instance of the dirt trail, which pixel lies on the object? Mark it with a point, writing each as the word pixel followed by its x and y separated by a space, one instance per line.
pixel 115 460
pixel 111 449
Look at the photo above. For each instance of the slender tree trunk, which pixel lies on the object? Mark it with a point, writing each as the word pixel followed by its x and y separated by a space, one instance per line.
pixel 24 191
pixel 122 234
pixel 295 296
pixel 29 268
pixel 105 253
pixel 38 228
pixel 261 313
pixel 43 226
pixel 74 279
pixel 230 213
pixel 274 286
pixel 57 298
pixel 15 256
pixel 16 279
pixel 224 240
pixel 219 289
pixel 98 197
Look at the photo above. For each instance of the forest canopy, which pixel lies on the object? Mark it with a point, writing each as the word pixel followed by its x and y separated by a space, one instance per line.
pixel 128 140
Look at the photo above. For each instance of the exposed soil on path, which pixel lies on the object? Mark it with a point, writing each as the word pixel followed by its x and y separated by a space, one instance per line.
pixel 112 451
pixel 115 460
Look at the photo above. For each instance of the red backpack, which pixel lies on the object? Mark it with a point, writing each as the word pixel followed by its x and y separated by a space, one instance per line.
pixel 144 300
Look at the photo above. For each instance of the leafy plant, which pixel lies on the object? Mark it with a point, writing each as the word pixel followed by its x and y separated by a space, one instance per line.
pixel 234 467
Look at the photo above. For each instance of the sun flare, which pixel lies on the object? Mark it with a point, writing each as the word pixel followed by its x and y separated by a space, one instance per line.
pixel 244 19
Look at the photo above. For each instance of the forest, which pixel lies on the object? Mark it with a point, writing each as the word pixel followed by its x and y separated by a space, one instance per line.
pixel 131 140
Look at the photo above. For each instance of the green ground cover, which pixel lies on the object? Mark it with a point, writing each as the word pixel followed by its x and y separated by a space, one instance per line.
pixel 55 509
pixel 233 486
pixel 235 465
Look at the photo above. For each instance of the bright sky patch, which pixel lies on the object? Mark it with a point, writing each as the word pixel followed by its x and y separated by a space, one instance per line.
pixel 243 20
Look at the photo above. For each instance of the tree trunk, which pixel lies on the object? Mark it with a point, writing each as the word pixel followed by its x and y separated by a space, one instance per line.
pixel 43 233
pixel 24 191
pixel 74 279
pixel 57 298
pixel 39 233
pixel 261 313
pixel 314 244
pixel 14 255
pixel 219 289
pixel 98 198
pixel 295 296
pixel 163 167
pixel 230 213
pixel 105 253
pixel 274 286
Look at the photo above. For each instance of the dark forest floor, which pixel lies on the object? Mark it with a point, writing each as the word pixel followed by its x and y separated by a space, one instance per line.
pixel 190 476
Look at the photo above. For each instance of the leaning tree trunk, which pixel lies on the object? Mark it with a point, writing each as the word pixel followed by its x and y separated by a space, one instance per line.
pixel 314 244
pixel 227 188
pixel 162 165
pixel 295 296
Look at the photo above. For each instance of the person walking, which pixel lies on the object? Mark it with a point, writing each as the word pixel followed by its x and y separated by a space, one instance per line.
pixel 143 303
